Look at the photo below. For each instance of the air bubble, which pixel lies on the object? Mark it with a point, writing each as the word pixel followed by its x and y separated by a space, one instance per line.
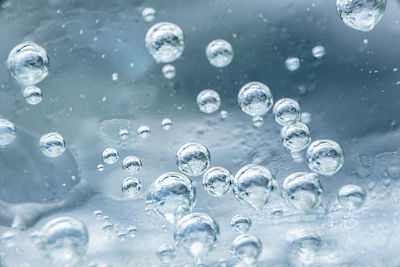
pixel 352 196
pixel 166 253
pixel 286 111
pixel 52 145
pixel 258 121
pixel 292 63
pixel 132 165
pixel 165 42
pixel 296 137
pixel 219 53
pixel 32 95
pixel 197 234
pixel 149 14
pixel 7 132
pixel 247 248
pixel 28 63
pixel 110 155
pixel 169 71
pixel 131 187
pixel 193 159
pixel 255 99
pixel 170 195
pixel 208 101
pixel 166 124
pixel 144 131
pixel 241 224
pixel 253 186
pixel 325 157
pixel 217 181
pixel 302 190
pixel 318 51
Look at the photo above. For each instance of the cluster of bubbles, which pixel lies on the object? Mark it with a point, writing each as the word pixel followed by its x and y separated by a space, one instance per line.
pixel 120 231
pixel 173 195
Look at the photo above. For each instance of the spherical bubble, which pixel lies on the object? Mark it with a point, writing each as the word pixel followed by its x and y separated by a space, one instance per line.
pixel 255 99
pixel 318 51
pixel 28 63
pixel 64 240
pixel 33 95
pixel 166 253
pixel 286 111
pixel 197 234
pixel 351 196
pixel 100 167
pixel 149 14
pixel 296 137
pixel 193 159
pixel 52 145
pixel 241 224
pixel 292 63
pixel 219 53
pixel 7 132
pixel 208 101
pixel 170 195
pixel 258 121
pixel 224 114
pixel 165 42
pixel 110 155
pixel 124 134
pixel 247 248
pixel 166 124
pixel 306 245
pixel 144 131
pixel 325 157
pixel 132 165
pixel 217 181
pixel 361 15
pixel 169 71
pixel 131 187
pixel 302 190
pixel 253 186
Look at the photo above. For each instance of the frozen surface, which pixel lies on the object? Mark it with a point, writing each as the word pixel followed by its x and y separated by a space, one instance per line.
pixel 352 94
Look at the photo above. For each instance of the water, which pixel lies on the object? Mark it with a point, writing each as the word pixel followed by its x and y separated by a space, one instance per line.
pixel 352 196
pixel 253 186
pixel 217 181
pixel 247 248
pixel 351 95
pixel 219 53
pixel 110 155
pixel 193 159
pixel 302 190
pixel 33 95
pixel 131 187
pixel 255 99
pixel 52 145
pixel 7 132
pixel 165 42
pixel 361 15
pixel 170 195
pixel 131 165
pixel 196 234
pixel 64 240
pixel 296 137
pixel 28 63
pixel 286 111
pixel 169 71
pixel 292 63
pixel 240 223
pixel 325 157
pixel 166 253
pixel 208 101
